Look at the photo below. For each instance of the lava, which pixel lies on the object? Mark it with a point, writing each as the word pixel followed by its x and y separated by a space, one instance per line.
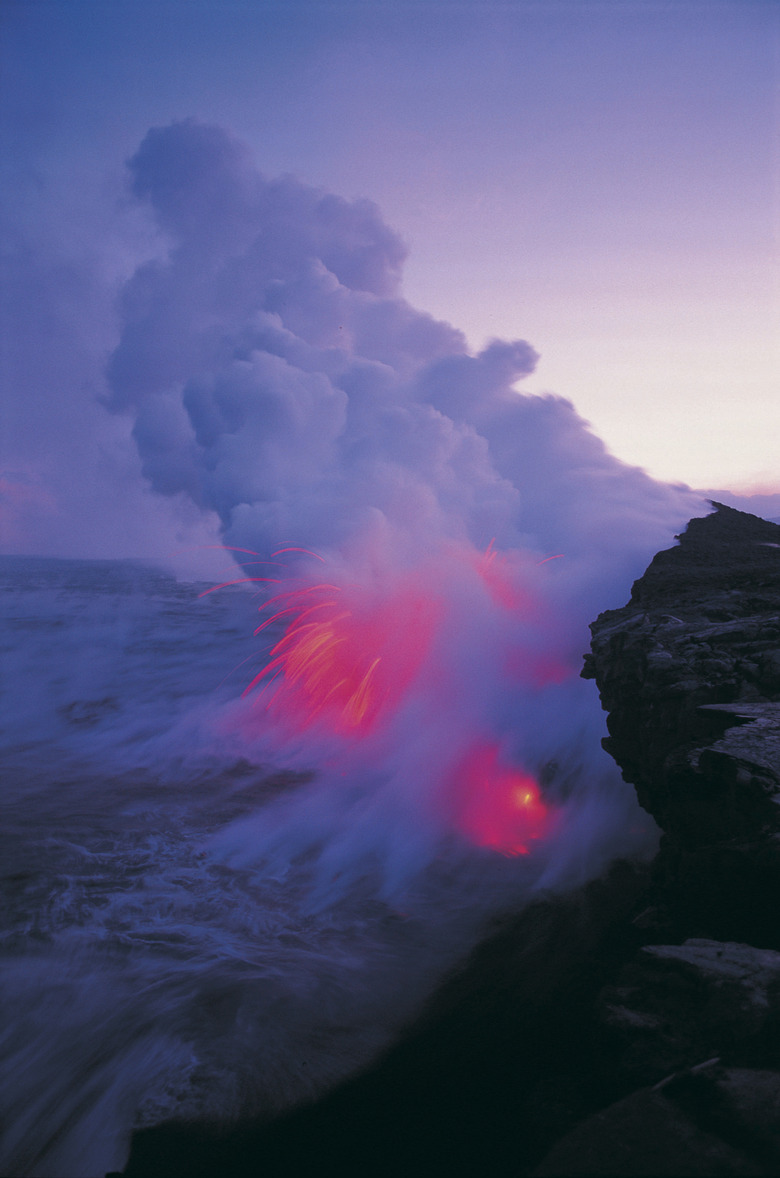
pixel 498 805
pixel 347 655
pixel 380 657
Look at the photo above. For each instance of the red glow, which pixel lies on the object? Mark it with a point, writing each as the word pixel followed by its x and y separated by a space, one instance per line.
pixel 348 655
pixel 500 806
pixel 494 569
pixel 353 655
pixel 538 669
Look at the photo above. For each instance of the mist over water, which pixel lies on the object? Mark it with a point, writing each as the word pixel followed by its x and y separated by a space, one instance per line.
pixel 143 979
pixel 221 902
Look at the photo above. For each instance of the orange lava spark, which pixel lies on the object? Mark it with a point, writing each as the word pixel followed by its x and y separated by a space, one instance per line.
pixel 239 581
pixel 306 551
pixel 347 658
pixel 502 586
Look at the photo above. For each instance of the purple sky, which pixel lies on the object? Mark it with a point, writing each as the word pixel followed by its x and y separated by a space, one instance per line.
pixel 597 178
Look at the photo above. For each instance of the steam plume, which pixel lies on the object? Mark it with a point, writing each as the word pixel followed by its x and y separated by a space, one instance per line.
pixel 277 376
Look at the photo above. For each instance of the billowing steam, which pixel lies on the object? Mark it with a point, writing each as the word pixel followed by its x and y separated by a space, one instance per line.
pixel 429 670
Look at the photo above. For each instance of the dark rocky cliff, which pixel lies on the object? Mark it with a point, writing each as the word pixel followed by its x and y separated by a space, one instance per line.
pixel 633 1028
pixel 689 672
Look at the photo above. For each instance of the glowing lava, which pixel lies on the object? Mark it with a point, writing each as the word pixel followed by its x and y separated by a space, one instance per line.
pixel 499 806
pixel 381 658
pixel 348 654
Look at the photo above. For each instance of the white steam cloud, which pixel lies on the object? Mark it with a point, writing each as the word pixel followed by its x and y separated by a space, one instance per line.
pixel 277 377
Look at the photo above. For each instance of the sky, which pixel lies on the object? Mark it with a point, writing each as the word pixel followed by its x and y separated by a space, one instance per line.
pixel 597 178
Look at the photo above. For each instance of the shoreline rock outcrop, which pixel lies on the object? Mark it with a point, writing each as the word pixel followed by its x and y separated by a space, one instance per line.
pixel 689 673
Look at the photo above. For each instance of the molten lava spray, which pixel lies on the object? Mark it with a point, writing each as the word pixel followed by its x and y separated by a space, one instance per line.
pixel 404 690
pixel 346 658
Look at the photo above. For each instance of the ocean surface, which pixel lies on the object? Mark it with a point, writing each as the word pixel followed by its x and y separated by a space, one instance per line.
pixel 143 979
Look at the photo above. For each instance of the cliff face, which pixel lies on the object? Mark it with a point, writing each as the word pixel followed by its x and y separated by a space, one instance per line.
pixel 689 672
